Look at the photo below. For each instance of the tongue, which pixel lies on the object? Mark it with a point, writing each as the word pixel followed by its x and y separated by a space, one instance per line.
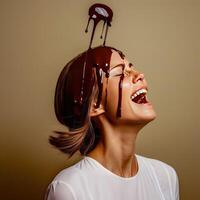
pixel 140 99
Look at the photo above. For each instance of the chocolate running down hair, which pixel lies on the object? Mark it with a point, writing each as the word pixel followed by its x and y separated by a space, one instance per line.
pixel 78 84
pixel 73 98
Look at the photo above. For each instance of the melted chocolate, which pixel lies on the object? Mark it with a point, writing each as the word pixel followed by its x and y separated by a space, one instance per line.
pixel 120 94
pixel 77 79
pixel 98 12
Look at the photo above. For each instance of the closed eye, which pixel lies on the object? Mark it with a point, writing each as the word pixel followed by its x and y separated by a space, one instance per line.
pixel 117 72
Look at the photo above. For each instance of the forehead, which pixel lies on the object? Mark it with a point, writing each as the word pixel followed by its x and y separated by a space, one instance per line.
pixel 116 59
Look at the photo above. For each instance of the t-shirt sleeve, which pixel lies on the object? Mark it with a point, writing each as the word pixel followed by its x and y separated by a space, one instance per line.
pixel 59 190
pixel 176 186
pixel 174 183
pixel 168 179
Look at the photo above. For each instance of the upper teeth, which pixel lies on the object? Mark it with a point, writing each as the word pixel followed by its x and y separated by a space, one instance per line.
pixel 138 93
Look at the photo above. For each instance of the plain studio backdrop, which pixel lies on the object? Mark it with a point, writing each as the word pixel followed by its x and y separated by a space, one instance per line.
pixel 161 37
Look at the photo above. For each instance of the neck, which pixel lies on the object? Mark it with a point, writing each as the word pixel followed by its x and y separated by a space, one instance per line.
pixel 116 149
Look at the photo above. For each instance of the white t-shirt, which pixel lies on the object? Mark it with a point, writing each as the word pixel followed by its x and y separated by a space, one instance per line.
pixel 90 180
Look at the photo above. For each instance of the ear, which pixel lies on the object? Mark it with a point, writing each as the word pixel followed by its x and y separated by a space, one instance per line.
pixel 94 112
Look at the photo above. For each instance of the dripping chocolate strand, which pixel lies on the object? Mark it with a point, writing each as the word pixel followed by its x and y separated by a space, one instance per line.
pixel 120 94
pixel 104 42
pixel 83 79
pixel 99 12
pixel 102 29
pixel 99 86
pixel 93 31
pixel 80 74
pixel 105 105
pixel 86 30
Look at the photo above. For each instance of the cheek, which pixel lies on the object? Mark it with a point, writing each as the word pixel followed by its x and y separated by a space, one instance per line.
pixel 126 85
pixel 112 89
pixel 110 100
pixel 126 94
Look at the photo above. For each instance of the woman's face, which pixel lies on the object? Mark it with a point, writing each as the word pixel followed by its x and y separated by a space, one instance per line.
pixel 135 108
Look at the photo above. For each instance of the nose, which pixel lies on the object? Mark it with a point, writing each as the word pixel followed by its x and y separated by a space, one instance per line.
pixel 137 76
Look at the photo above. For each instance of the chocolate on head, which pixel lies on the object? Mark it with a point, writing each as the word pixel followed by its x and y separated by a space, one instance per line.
pixel 99 12
pixel 76 82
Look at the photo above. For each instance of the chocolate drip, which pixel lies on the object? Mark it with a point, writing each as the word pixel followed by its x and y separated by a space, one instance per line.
pixel 86 29
pixel 120 94
pixel 83 79
pixel 105 105
pixel 77 79
pixel 102 29
pixel 76 83
pixel 104 42
pixel 99 12
pixel 99 78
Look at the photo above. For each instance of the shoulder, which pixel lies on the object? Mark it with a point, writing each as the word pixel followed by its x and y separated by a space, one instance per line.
pixel 59 190
pixel 164 173
pixel 70 175
pixel 64 184
pixel 159 165
pixel 161 168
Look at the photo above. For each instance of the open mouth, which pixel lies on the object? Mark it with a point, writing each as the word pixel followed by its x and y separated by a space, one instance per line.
pixel 139 97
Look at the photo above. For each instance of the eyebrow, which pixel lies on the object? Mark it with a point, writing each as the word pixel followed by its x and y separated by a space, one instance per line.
pixel 119 65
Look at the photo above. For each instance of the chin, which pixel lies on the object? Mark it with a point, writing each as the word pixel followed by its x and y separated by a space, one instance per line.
pixel 137 119
pixel 142 112
pixel 145 119
pixel 150 118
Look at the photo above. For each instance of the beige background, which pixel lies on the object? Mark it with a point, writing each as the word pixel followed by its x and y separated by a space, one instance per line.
pixel 39 37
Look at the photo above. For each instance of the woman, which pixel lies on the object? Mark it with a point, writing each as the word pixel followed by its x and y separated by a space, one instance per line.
pixel 101 97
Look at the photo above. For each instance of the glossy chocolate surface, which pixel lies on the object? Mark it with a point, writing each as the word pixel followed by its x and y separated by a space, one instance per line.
pixel 80 75
pixel 99 12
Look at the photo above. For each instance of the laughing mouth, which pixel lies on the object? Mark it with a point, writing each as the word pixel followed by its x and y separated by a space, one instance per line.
pixel 139 96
